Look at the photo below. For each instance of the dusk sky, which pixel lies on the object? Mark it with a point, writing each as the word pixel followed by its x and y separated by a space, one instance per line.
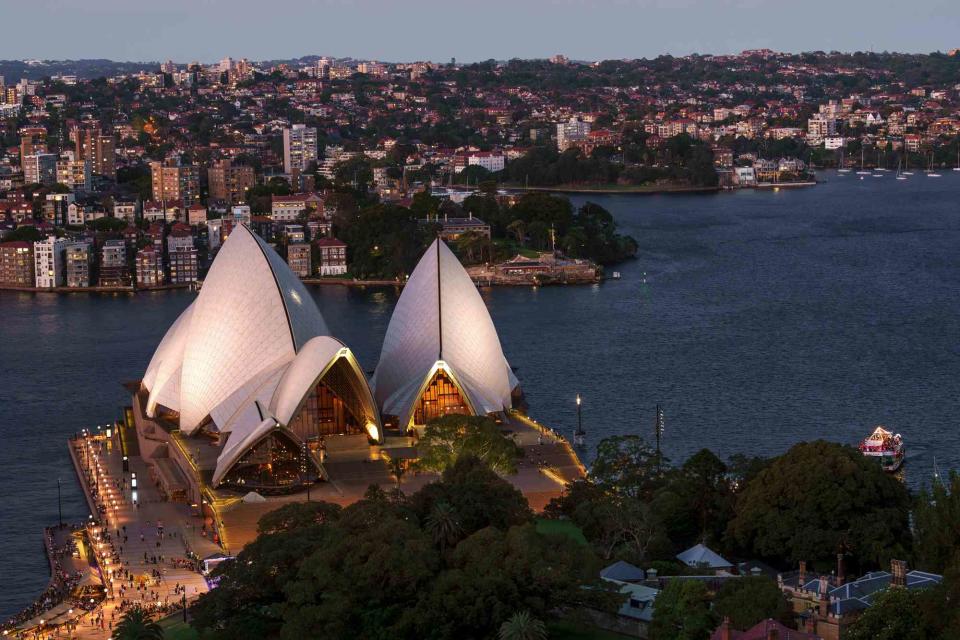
pixel 393 30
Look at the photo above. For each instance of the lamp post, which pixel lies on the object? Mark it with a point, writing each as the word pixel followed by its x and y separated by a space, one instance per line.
pixel 59 505
pixel 578 436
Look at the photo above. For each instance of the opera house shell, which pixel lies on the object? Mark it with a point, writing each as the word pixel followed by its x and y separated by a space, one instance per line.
pixel 441 353
pixel 252 363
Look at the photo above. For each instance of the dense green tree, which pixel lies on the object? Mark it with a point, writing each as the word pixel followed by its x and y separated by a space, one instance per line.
pixel 448 438
pixel 682 612
pixel 897 614
pixel 628 466
pixel 383 241
pixel 696 502
pixel 820 498
pixel 298 515
pixel 477 497
pixel 493 573
pixel 936 526
pixel 747 601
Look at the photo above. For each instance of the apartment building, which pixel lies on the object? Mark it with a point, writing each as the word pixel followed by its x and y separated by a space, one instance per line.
pixel 49 260
pixel 298 258
pixel 175 183
pixel 299 147
pixel 229 183
pixel 149 267
pixel 78 260
pixel 16 264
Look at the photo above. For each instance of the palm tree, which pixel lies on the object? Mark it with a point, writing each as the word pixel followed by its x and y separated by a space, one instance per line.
pixel 443 525
pixel 137 625
pixel 522 626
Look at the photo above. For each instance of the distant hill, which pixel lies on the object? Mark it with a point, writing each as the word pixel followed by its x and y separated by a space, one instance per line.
pixel 14 70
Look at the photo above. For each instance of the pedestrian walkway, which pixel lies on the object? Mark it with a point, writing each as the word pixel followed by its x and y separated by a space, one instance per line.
pixel 139 550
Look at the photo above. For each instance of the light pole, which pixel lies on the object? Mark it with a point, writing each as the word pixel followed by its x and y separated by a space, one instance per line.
pixel 578 436
pixel 59 505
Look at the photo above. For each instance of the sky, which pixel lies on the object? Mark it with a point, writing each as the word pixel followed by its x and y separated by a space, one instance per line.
pixel 438 30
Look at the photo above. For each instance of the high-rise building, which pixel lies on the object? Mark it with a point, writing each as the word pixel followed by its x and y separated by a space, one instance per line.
pixel 40 168
pixel 570 132
pixel 299 147
pixel 97 147
pixel 298 259
pixel 174 183
pixel 49 259
pixel 149 265
pixel 78 259
pixel 76 174
pixel 16 264
pixel 114 271
pixel 229 183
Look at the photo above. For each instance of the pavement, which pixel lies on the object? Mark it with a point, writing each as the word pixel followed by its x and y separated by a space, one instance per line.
pixel 140 547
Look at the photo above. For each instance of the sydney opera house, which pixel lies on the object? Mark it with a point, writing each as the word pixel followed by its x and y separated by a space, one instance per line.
pixel 249 394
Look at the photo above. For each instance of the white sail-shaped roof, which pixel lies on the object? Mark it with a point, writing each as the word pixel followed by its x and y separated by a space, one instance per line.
pixel 441 322
pixel 163 373
pixel 252 313
pixel 248 352
pixel 281 396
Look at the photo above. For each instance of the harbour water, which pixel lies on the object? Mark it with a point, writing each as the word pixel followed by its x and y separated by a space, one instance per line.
pixel 756 319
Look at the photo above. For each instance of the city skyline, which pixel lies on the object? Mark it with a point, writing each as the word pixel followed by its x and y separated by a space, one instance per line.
pixel 430 30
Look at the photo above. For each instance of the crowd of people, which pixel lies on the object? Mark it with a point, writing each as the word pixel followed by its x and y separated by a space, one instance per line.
pixel 63 579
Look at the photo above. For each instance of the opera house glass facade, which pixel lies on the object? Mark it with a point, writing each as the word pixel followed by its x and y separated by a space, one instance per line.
pixel 250 369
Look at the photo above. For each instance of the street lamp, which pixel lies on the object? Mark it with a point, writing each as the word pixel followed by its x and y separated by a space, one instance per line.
pixel 578 436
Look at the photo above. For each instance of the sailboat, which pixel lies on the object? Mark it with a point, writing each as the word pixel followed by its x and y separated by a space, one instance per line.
pixel 842 168
pixel 879 168
pixel 930 172
pixel 862 172
pixel 900 175
pixel 906 164
pixel 957 168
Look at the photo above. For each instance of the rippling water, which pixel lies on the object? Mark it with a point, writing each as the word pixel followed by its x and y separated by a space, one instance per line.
pixel 756 319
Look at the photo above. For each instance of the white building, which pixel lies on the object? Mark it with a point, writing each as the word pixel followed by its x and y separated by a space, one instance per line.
pixel 49 258
pixel 490 161
pixel 834 142
pixel 441 353
pixel 571 131
pixel 251 360
pixel 299 147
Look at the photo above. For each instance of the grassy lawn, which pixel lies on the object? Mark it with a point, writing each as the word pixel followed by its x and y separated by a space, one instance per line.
pixel 564 630
pixel 565 527
pixel 174 628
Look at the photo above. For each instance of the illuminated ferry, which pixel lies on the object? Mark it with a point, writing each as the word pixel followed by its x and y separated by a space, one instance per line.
pixel 886 446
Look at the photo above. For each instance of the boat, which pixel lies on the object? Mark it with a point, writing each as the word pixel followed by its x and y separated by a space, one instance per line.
pixel 842 168
pixel 931 173
pixel 863 171
pixel 900 175
pixel 957 168
pixel 885 446
pixel 906 164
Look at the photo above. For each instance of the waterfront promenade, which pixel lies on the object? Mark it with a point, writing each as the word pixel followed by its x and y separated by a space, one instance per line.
pixel 135 550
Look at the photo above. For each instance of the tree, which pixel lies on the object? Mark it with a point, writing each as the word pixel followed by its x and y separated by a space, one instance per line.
pixel 897 614
pixel 448 438
pixel 937 525
pixel 696 503
pixel 682 612
pixel 522 626
pixel 443 525
pixel 747 601
pixel 297 515
pixel 478 496
pixel 820 498
pixel 137 625
pixel 627 465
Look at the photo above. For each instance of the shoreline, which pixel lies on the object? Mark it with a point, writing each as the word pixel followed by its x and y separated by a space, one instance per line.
pixel 68 290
